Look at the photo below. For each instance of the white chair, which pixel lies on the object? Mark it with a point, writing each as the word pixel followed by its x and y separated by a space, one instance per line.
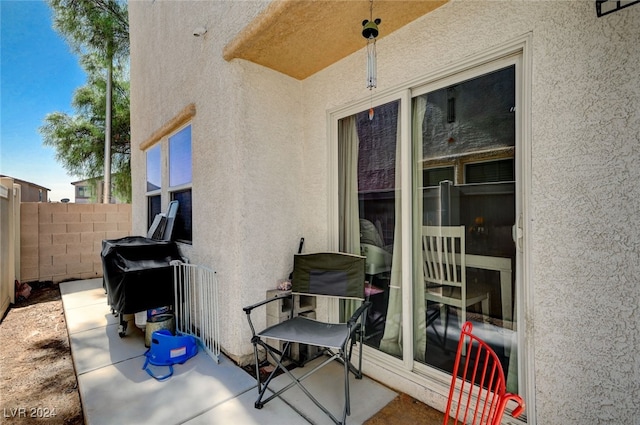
pixel 444 270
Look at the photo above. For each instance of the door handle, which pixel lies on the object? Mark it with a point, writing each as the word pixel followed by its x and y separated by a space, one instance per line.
pixel 517 233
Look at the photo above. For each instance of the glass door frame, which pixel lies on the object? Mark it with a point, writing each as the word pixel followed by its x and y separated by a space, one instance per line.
pixel 465 75
pixel 516 52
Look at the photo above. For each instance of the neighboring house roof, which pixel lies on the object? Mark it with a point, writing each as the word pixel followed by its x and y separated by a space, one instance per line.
pixel 24 182
pixel 89 180
pixel 80 182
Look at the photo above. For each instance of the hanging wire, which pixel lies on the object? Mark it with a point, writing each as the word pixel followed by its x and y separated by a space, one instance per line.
pixel 371 64
pixel 371 50
pixel 371 32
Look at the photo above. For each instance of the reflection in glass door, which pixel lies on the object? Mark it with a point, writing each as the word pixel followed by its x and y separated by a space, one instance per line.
pixel 464 139
pixel 369 215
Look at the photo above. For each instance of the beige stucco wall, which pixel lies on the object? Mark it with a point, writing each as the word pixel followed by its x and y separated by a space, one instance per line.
pixel 260 171
pixel 63 241
pixel 246 155
pixel 582 193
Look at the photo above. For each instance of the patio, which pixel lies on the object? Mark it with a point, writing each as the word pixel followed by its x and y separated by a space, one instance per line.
pixel 114 389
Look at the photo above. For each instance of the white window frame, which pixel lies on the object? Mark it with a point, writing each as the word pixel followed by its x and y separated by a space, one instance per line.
pixel 166 191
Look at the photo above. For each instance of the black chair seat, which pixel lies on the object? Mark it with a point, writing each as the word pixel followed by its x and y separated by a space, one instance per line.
pixel 308 331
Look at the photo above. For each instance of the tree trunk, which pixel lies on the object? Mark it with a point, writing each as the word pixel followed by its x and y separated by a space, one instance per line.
pixel 107 135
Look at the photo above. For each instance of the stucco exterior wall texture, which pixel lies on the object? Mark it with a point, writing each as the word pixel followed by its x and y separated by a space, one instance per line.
pixel 260 161
pixel 246 147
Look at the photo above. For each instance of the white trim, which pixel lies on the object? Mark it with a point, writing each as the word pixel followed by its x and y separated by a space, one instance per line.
pixel 179 188
pixel 492 54
pixel 406 201
pixel 465 73
pixel 332 187
pixel 525 302
pixel 363 105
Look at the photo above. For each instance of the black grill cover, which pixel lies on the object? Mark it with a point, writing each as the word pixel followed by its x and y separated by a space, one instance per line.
pixel 137 273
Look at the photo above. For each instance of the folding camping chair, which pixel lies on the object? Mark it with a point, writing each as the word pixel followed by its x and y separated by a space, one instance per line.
pixel 335 275
pixel 478 394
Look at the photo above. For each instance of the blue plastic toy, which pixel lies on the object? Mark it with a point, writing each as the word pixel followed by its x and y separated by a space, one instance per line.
pixel 167 350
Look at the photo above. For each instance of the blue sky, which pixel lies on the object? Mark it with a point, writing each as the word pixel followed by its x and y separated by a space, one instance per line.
pixel 39 74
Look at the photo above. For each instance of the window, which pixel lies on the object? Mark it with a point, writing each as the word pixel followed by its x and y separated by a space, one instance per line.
pixel 84 192
pixel 492 171
pixel 433 176
pixel 182 225
pixel 154 208
pixel 154 184
pixel 169 172
pixel 180 158
pixel 154 174
pixel 180 182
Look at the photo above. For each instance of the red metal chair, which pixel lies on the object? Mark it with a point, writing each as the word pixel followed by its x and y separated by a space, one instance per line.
pixel 478 393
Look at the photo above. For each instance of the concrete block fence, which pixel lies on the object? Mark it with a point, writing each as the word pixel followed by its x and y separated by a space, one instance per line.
pixel 63 241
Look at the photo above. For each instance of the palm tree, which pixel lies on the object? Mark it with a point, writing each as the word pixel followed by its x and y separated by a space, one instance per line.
pixel 100 27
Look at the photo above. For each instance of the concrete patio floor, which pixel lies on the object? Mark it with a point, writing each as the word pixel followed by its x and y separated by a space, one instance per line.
pixel 115 390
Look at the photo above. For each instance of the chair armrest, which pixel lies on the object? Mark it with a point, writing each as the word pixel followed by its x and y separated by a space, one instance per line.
pixel 248 308
pixel 519 408
pixel 356 315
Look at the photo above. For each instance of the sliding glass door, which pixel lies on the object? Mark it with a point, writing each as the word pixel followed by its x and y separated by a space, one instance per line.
pixel 461 135
pixel 464 151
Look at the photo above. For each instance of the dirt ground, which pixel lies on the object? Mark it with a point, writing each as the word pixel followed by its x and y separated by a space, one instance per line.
pixel 38 383
pixel 37 380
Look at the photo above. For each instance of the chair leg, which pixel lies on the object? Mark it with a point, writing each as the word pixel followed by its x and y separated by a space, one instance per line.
pixel 438 313
pixel 296 381
pixel 255 356
pixel 463 314
pixel 279 365
pixel 347 401
pixel 357 372
pixel 485 308
pixel 446 323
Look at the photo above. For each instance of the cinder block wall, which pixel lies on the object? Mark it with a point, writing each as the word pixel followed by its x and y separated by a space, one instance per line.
pixel 63 241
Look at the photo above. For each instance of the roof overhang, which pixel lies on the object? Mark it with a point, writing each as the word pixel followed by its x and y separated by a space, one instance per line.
pixel 302 37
